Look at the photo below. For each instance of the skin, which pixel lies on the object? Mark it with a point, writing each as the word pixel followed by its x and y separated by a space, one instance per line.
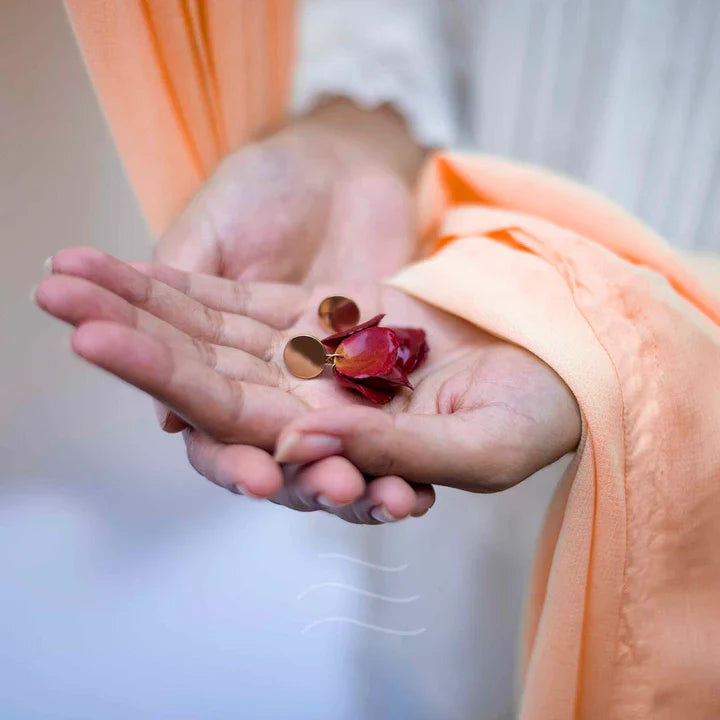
pixel 483 416
pixel 325 200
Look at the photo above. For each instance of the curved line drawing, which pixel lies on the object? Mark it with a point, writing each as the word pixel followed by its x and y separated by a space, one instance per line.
pixel 349 558
pixel 367 626
pixel 359 591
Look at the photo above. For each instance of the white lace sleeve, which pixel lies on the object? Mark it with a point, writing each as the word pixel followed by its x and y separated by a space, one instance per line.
pixel 375 52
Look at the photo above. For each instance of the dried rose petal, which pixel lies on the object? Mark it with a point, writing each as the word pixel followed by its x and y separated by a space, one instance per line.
pixel 379 397
pixel 413 348
pixel 369 353
pixel 394 378
pixel 375 361
pixel 332 341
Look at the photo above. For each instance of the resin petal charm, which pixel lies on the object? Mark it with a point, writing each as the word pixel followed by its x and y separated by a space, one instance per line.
pixel 379 397
pixel 370 353
pixel 332 341
pixel 371 360
pixel 413 348
pixel 374 361
pixel 338 313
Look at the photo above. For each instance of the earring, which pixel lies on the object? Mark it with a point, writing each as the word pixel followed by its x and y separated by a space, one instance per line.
pixel 337 313
pixel 304 355
pixel 372 360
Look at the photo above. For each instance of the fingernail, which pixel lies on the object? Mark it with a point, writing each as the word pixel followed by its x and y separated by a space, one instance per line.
pixel 381 515
pixel 242 490
pixel 48 266
pixel 173 424
pixel 33 293
pixel 324 501
pixel 305 447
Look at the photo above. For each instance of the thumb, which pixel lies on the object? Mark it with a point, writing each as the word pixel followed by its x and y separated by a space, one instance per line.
pixel 191 242
pixel 438 449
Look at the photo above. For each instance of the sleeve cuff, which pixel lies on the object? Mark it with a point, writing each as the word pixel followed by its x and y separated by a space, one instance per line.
pixel 373 53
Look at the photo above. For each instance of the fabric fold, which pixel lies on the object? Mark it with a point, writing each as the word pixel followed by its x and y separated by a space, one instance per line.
pixel 183 83
pixel 627 576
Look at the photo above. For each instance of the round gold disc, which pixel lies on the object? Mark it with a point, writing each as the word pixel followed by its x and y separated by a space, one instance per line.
pixel 338 313
pixel 305 356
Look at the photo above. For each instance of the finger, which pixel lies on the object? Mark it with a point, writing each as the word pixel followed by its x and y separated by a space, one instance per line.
pixel 77 301
pixel 450 450
pixel 228 409
pixel 277 304
pixel 330 483
pixel 386 500
pixel 167 303
pixel 340 483
pixel 424 499
pixel 336 486
pixel 239 468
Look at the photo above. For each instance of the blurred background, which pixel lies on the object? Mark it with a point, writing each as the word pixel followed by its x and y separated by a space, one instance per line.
pixel 132 588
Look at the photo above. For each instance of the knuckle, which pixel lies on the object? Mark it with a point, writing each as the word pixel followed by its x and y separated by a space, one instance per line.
pixel 184 282
pixel 206 351
pixel 145 293
pixel 214 324
pixel 241 297
pixel 384 463
pixel 134 316
pixel 236 396
pixel 384 460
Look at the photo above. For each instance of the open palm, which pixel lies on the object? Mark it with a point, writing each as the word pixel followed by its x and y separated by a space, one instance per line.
pixel 311 203
pixel 484 414
pixel 327 197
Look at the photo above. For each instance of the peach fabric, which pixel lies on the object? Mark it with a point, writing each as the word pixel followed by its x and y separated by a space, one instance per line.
pixel 182 83
pixel 623 617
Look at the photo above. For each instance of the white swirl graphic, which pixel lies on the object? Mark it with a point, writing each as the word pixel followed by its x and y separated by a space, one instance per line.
pixel 366 626
pixel 359 591
pixel 364 563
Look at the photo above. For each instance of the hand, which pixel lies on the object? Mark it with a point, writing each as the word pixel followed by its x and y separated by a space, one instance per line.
pixel 327 197
pixel 485 414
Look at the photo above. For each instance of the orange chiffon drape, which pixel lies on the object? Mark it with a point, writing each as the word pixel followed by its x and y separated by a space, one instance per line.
pixel 623 611
pixel 184 82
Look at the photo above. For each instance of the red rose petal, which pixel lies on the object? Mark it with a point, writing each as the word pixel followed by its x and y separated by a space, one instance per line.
pixel 413 348
pixel 368 353
pixel 379 397
pixel 332 341
pixel 395 378
pixel 374 361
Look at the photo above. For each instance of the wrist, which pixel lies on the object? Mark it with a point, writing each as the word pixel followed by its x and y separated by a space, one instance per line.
pixel 377 137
